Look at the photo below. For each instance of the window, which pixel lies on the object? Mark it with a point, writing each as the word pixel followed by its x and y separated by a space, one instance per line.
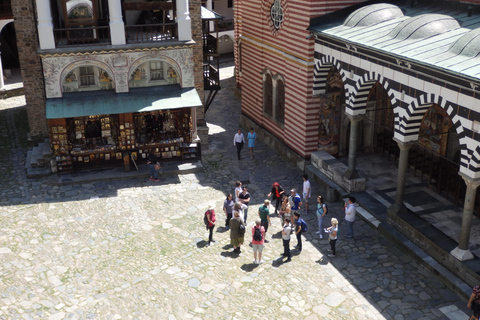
pixel 156 71
pixel 268 95
pixel 274 97
pixel 280 103
pixel 230 3
pixel 87 76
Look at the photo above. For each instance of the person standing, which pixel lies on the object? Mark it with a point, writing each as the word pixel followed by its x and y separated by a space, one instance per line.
pixel 350 211
pixel 474 303
pixel 211 223
pixel 251 137
pixel 286 231
pixel 307 191
pixel 332 236
pixel 238 189
pixel 152 161
pixel 285 209
pixel 238 207
pixel 228 209
pixel 321 212
pixel 244 199
pixel 238 141
pixel 298 231
pixel 264 214
pixel 258 238
pixel 277 194
pixel 236 235
pixel 295 201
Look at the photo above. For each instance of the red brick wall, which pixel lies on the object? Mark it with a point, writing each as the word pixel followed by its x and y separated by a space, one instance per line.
pixel 288 52
pixel 31 67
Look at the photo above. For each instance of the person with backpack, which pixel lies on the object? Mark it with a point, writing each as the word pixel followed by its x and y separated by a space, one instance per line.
pixel 264 214
pixel 321 212
pixel 210 217
pixel 286 232
pixel 300 227
pixel 258 238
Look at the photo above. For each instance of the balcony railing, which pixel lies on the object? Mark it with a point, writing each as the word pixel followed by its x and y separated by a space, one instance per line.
pixel 81 36
pixel 151 32
pixel 5 10
pixel 211 77
pixel 225 25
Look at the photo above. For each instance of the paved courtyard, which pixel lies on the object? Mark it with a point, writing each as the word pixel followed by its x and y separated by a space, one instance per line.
pixel 134 249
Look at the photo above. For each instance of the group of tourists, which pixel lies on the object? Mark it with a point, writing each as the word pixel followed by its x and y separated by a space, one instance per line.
pixel 288 208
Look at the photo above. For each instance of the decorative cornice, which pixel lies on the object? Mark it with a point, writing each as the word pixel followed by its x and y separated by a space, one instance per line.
pixel 72 54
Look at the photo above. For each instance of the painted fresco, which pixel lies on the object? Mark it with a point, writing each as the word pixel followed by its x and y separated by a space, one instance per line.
pixel 117 67
pixel 433 132
pixel 329 113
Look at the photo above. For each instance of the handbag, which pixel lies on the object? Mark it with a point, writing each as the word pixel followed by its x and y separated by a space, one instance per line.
pixel 157 166
pixel 241 229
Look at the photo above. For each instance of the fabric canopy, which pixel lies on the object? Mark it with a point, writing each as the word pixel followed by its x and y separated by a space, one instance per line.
pixel 81 104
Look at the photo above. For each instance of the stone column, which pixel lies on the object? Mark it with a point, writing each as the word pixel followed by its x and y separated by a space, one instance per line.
pixel 351 172
pixel 45 25
pixel 117 27
pixel 401 176
pixel 183 21
pixel 461 252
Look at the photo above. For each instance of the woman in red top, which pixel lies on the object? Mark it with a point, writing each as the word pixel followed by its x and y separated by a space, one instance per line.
pixel 211 223
pixel 276 193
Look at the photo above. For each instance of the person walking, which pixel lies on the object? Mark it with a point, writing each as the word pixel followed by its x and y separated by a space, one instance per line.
pixel 350 211
pixel 264 214
pixel 307 191
pixel 251 137
pixel 298 231
pixel 295 201
pixel 211 223
pixel 474 303
pixel 244 199
pixel 154 165
pixel 286 231
pixel 228 209
pixel 277 194
pixel 258 238
pixel 321 212
pixel 238 141
pixel 236 233
pixel 332 236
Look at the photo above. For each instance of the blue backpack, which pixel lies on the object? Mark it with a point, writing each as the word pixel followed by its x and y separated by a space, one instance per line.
pixel 303 224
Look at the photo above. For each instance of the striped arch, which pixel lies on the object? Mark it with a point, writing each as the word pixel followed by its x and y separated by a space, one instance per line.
pixel 411 118
pixel 357 103
pixel 320 74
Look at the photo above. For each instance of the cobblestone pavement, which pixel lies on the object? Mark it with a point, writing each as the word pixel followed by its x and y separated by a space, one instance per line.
pixel 132 250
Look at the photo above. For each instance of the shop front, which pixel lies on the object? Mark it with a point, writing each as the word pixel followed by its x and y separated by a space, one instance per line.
pixel 107 130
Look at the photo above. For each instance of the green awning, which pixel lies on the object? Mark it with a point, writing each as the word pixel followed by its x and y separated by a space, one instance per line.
pixel 81 104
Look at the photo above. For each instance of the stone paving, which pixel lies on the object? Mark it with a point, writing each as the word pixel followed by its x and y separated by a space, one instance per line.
pixel 127 249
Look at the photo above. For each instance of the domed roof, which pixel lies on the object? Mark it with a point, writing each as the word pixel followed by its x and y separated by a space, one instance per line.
pixel 424 26
pixel 373 14
pixel 468 45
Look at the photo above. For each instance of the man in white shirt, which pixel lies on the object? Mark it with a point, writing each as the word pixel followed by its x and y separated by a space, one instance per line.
pixel 238 141
pixel 307 191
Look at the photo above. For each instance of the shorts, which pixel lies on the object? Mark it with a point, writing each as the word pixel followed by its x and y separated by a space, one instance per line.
pixel 476 309
pixel 258 247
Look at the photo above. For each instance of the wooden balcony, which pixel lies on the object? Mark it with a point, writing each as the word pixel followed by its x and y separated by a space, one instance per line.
pixel 211 77
pixel 5 10
pixel 151 32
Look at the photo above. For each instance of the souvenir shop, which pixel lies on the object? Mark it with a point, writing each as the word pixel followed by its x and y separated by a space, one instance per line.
pixel 111 139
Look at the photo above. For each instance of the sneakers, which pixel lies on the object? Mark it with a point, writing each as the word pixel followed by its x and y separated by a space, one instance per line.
pixel 321 236
pixel 331 255
pixel 318 232
pixel 298 251
pixel 288 260
pixel 255 262
pixel 151 178
pixel 260 262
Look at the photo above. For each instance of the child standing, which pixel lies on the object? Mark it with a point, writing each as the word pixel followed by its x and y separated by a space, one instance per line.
pixel 332 236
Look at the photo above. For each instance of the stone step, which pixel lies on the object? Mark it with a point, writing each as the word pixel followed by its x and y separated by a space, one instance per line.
pixel 37 157
pixel 28 160
pixel 47 153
